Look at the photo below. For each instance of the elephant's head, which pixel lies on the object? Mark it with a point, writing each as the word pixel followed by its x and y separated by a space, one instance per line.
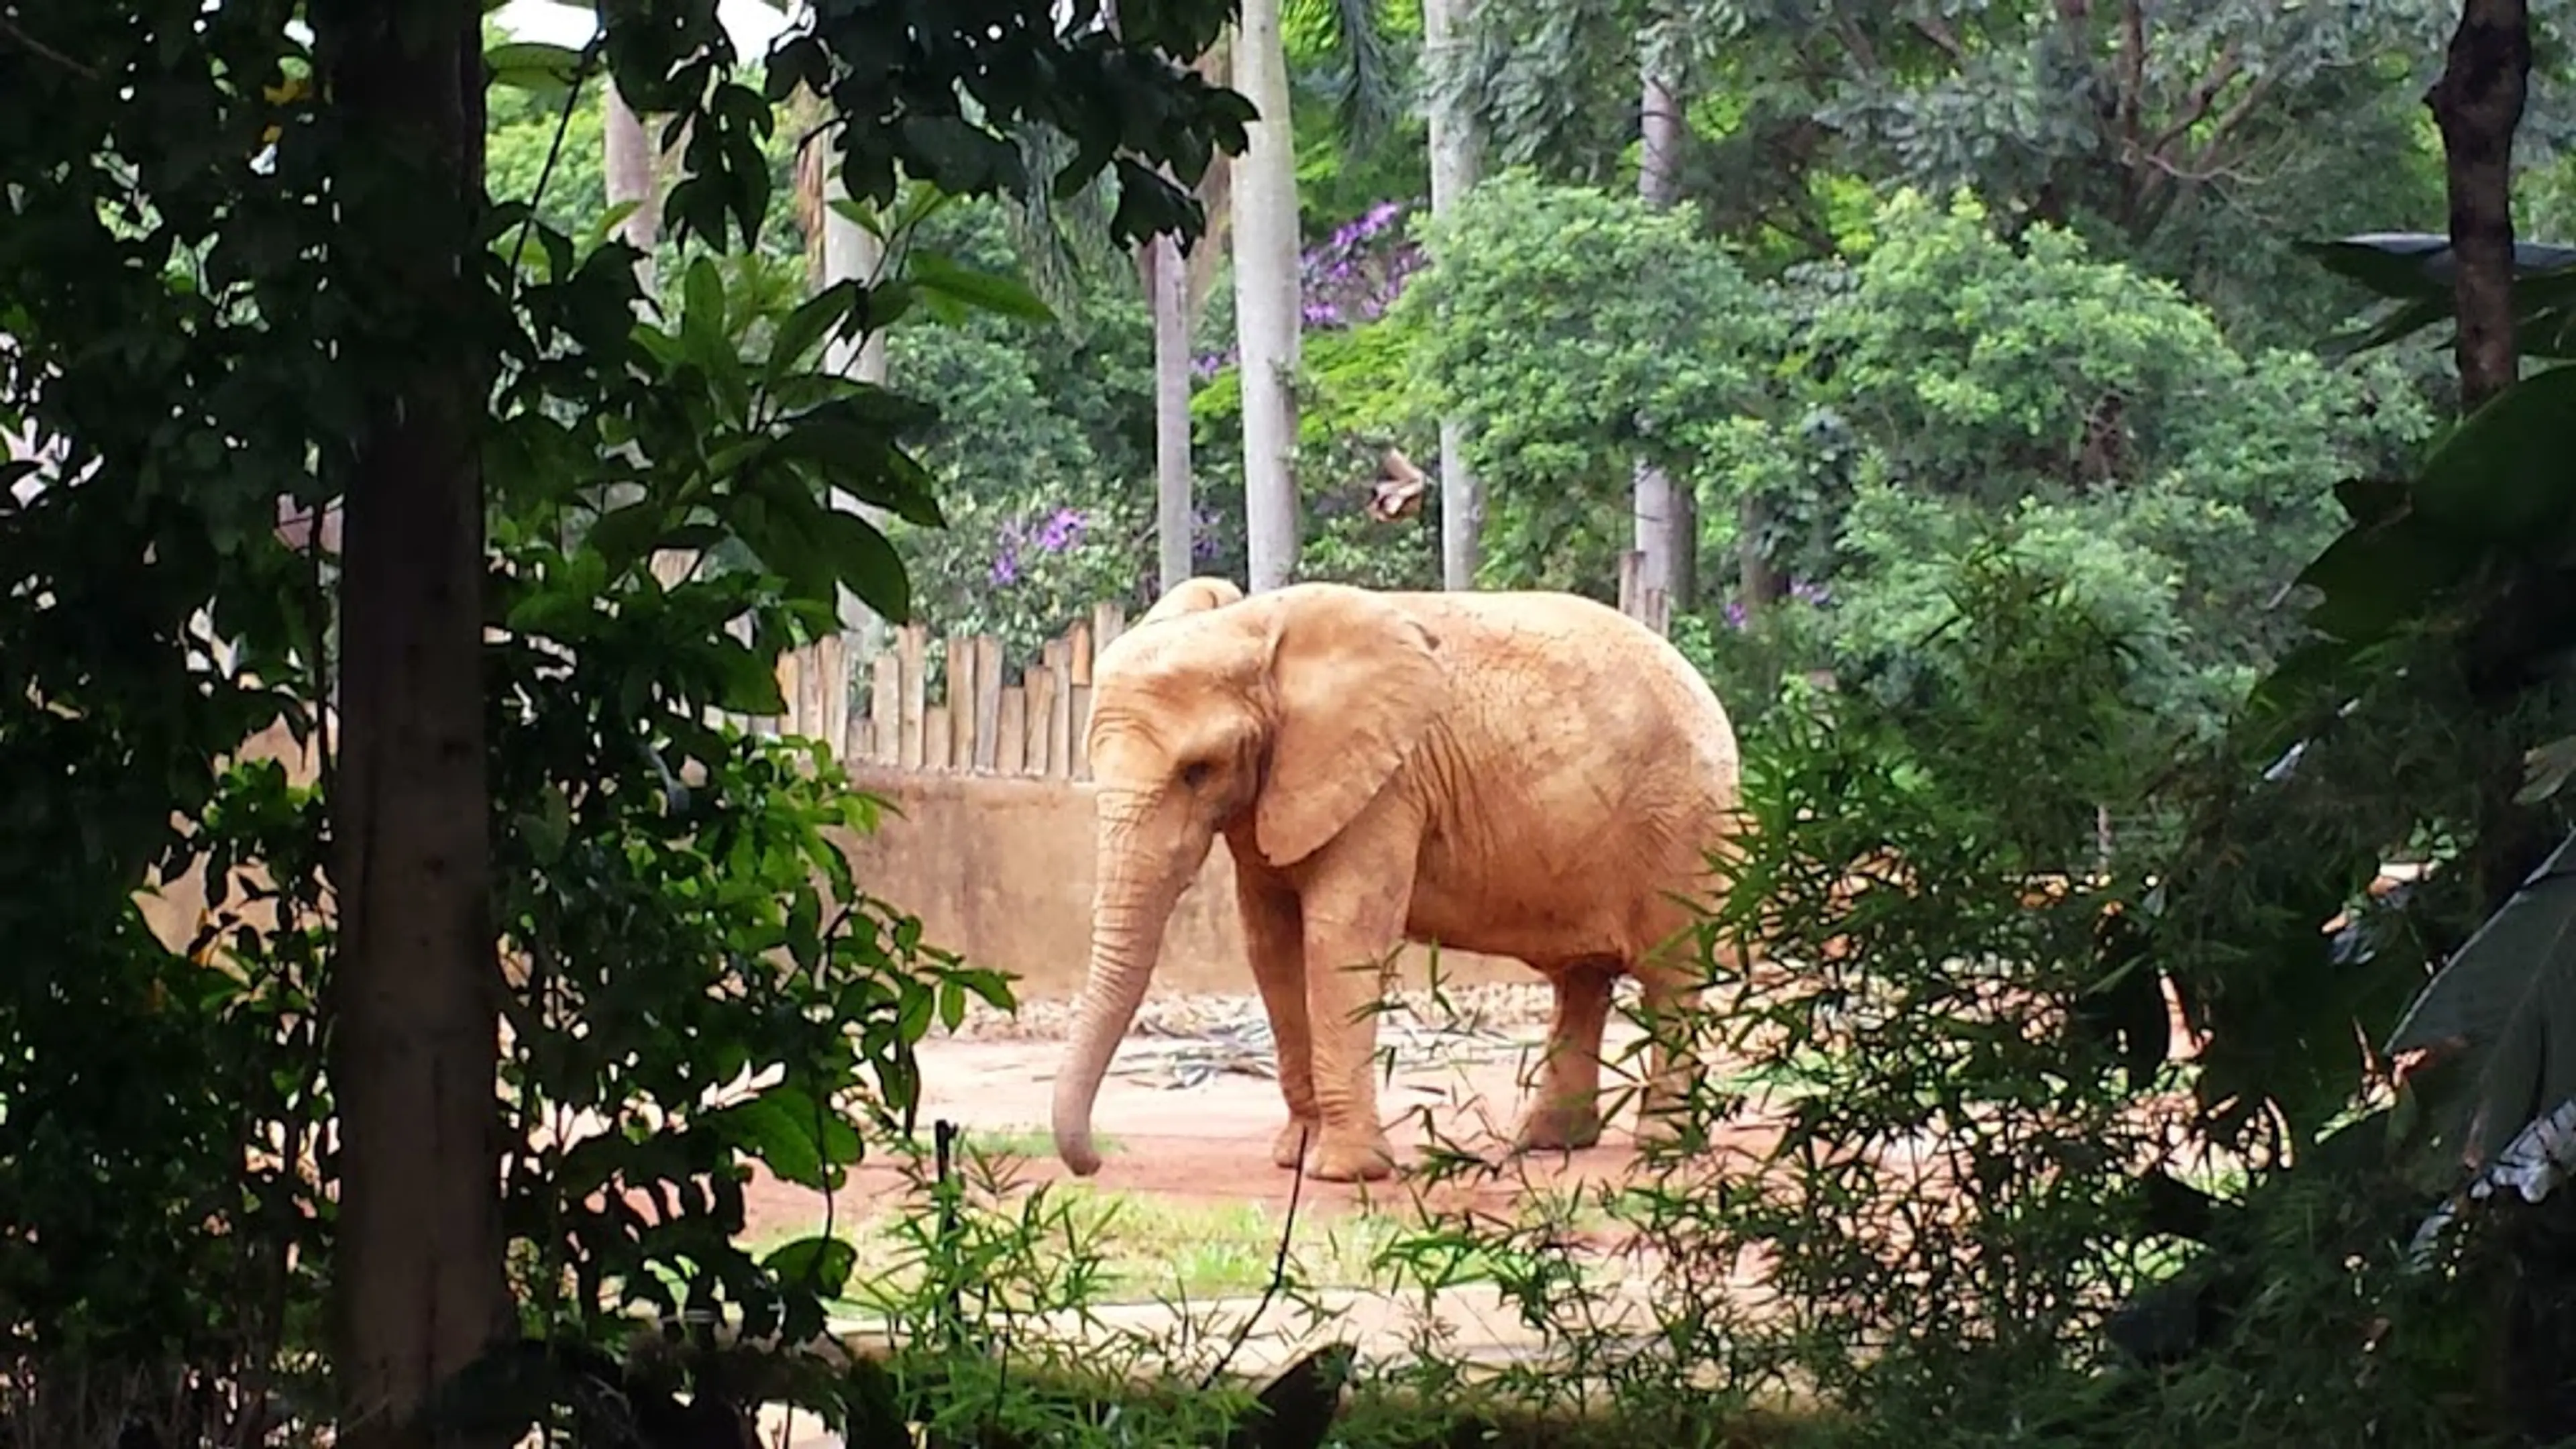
pixel 1285 712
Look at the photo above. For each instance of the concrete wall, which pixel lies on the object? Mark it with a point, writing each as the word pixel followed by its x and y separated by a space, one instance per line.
pixel 1000 871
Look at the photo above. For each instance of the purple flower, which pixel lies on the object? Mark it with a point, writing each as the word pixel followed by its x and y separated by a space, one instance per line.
pixel 1006 567
pixel 1061 532
pixel 1735 613
pixel 1809 593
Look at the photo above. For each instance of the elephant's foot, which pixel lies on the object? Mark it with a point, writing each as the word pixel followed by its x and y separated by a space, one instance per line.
pixel 1295 1140
pixel 1559 1127
pixel 1345 1155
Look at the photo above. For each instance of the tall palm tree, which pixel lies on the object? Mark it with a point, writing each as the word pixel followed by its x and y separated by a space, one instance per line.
pixel 1266 298
pixel 1268 312
pixel 1456 158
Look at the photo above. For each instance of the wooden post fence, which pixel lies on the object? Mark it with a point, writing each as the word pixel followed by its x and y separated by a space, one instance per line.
pixel 989 716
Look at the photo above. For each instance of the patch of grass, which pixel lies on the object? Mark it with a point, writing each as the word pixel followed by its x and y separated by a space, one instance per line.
pixel 1155 1248
pixel 1021 1141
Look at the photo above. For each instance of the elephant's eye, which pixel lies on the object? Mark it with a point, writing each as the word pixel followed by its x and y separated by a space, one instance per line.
pixel 1196 773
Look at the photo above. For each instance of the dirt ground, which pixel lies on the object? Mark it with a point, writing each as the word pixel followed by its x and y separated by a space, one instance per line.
pixel 1209 1142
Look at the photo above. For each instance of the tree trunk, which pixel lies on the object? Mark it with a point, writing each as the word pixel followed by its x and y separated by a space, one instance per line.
pixel 627 157
pixel 418 1287
pixel 1266 299
pixel 1657 511
pixel 848 251
pixel 626 162
pixel 1455 160
pixel 2478 103
pixel 1175 517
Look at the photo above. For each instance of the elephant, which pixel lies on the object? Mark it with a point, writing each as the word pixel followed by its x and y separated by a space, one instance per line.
pixel 1524 774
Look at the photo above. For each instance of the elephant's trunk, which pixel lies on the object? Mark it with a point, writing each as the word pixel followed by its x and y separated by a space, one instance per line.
pixel 1131 904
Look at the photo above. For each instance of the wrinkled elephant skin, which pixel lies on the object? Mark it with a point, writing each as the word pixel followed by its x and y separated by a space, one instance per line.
pixel 1532 775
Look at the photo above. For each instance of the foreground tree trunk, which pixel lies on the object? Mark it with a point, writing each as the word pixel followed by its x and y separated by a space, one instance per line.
pixel 1455 160
pixel 418 1288
pixel 1266 299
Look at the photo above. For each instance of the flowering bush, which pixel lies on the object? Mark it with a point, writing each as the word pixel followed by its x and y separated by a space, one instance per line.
pixel 1347 280
pixel 1025 570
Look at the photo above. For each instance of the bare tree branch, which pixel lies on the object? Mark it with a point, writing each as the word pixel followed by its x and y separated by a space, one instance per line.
pixel 1936 30
pixel 44 52
pixel 2203 96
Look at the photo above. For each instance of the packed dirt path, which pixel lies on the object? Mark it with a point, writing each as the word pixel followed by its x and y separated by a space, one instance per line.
pixel 1209 1142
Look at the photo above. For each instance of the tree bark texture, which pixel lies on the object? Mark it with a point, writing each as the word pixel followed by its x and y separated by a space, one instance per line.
pixel 1175 514
pixel 2478 104
pixel 626 164
pixel 418 1291
pixel 1657 507
pixel 1266 299
pixel 1455 160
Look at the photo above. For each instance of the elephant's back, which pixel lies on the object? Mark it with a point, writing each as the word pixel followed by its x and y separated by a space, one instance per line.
pixel 1628 687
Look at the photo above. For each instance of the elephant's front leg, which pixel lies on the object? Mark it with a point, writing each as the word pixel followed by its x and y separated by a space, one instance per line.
pixel 1354 919
pixel 1274 938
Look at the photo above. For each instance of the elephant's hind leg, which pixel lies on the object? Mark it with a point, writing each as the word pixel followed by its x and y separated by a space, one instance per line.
pixel 1669 977
pixel 1566 1114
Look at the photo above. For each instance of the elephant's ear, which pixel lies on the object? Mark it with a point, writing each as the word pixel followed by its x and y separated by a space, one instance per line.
pixel 1357 682
pixel 1191 596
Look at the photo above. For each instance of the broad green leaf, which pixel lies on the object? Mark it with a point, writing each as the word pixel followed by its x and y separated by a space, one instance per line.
pixel 2506 1001
pixel 746 682
pixel 821 1264
pixel 786 1142
pixel 2418 269
pixel 553 613
pixel 623 535
pixel 2374 578
pixel 987 291
pixel 863 559
pixel 799 332
pixel 548 827
pixel 2503 476
pixel 863 462
pixel 702 308
pixel 611 219
pixel 2421 263
pixel 2546 769
pixel 532 65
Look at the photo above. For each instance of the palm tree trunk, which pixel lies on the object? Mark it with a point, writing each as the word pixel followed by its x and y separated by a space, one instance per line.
pixel 626 164
pixel 1658 510
pixel 1266 299
pixel 1455 160
pixel 627 157
pixel 839 249
pixel 1174 511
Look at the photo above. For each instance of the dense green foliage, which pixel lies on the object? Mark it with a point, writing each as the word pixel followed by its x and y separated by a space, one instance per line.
pixel 184 289
pixel 1999 324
